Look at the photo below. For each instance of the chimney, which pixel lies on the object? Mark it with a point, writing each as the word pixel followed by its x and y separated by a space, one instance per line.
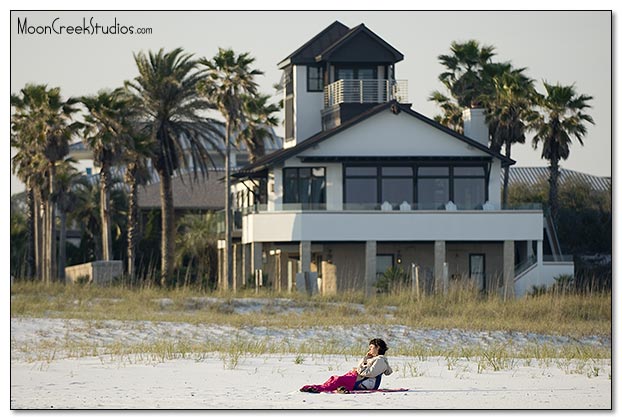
pixel 475 126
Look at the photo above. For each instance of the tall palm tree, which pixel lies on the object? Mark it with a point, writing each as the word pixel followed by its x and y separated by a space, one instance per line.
pixel 463 77
pixel 561 119
pixel 44 123
pixel 452 113
pixel 230 79
pixel 172 112
pixel 510 109
pixel 66 178
pixel 136 158
pixel 107 132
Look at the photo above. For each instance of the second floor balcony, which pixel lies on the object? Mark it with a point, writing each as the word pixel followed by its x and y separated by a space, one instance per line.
pixel 365 91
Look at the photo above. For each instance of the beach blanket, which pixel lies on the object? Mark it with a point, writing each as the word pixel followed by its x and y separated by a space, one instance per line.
pixel 369 391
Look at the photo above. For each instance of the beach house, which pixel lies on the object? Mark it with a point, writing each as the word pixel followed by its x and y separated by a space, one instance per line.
pixel 365 184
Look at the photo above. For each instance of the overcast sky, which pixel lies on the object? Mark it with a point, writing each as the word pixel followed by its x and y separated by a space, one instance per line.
pixel 555 46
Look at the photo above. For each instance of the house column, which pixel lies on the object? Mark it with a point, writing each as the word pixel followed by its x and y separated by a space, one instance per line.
pixel 508 269
pixel 304 282
pixel 370 266
pixel 246 262
pixel 237 267
pixel 440 270
pixel 256 258
pixel 222 281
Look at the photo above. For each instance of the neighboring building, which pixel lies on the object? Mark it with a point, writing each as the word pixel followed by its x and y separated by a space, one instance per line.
pixel 190 194
pixel 533 176
pixel 365 183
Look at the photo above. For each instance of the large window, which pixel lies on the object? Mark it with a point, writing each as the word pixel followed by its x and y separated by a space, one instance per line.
pixel 469 187
pixel 361 187
pixel 422 186
pixel 315 79
pixel 304 188
pixel 396 185
pixel 433 187
pixel 356 72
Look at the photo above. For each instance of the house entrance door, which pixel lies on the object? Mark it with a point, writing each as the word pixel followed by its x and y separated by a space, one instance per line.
pixel 477 269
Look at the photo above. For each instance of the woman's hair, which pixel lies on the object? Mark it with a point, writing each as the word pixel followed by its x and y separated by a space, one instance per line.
pixel 382 346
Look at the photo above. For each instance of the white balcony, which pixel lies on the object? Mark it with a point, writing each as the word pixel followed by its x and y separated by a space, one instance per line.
pixel 419 225
pixel 365 91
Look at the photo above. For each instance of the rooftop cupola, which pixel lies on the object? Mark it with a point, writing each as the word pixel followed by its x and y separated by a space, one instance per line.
pixel 335 76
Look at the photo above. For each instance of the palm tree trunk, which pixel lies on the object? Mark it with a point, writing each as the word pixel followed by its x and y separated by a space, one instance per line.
pixel 132 220
pixel 168 228
pixel 228 277
pixel 553 182
pixel 506 175
pixel 30 232
pixel 38 234
pixel 104 208
pixel 62 252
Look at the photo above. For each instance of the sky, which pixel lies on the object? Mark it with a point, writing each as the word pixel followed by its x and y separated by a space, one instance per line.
pixel 567 47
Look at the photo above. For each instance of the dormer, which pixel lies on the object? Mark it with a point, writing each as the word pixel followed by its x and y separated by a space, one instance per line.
pixel 335 76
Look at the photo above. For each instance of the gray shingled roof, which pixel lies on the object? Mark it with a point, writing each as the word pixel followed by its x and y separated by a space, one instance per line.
pixel 536 175
pixel 189 194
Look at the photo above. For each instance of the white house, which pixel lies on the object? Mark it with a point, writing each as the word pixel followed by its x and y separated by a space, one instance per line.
pixel 365 183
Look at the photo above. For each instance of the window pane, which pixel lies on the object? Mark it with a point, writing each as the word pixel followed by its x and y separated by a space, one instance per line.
pixel 345 74
pixel 290 173
pixel 434 171
pixel 397 190
pixel 361 171
pixel 361 190
pixel 469 194
pixel 318 191
pixel 397 171
pixel 432 194
pixel 468 171
pixel 304 172
pixel 365 74
pixel 290 190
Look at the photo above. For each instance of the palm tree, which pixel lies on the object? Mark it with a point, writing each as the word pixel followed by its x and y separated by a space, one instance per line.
pixel 42 120
pixel 137 173
pixel 259 120
pixel 229 80
pixel 172 114
pixel 107 132
pixel 452 113
pixel 66 178
pixel 465 66
pixel 562 118
pixel 196 242
pixel 510 110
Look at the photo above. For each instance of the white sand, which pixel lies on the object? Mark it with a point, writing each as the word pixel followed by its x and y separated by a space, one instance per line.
pixel 272 381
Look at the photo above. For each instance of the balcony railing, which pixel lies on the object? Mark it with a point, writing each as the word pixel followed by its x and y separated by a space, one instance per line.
pixel 365 91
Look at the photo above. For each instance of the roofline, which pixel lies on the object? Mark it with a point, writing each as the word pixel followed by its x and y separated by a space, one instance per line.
pixel 284 154
pixel 352 33
pixel 288 60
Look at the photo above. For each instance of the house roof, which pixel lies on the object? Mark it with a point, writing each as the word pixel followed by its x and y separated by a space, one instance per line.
pixel 308 51
pixel 263 163
pixel 332 39
pixel 352 35
pixel 188 193
pixel 536 175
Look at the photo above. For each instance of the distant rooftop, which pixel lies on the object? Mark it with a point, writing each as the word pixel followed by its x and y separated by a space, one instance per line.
pixel 536 175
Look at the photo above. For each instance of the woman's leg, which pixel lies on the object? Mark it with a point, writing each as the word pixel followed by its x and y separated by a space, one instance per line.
pixel 335 382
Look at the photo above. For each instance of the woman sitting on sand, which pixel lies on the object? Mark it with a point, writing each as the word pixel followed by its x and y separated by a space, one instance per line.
pixel 364 376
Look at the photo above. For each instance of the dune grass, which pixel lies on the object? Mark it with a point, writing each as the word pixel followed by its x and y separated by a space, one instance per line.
pixel 575 315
